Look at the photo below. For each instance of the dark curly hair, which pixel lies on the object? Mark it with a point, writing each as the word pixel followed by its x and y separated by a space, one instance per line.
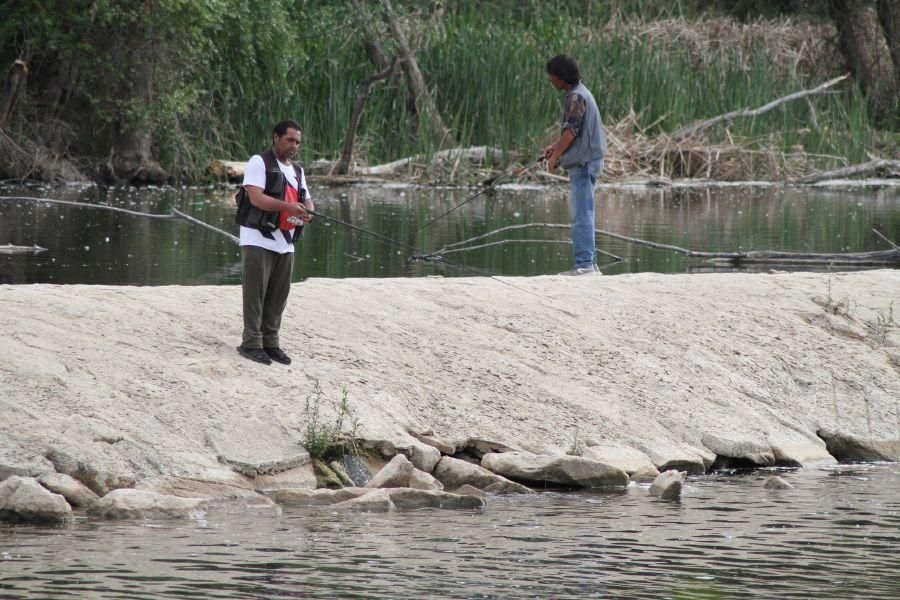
pixel 564 67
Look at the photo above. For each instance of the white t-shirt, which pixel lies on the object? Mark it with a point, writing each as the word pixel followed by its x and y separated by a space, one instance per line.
pixel 255 174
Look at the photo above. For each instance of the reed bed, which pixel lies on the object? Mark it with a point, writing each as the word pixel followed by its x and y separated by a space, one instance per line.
pixel 649 79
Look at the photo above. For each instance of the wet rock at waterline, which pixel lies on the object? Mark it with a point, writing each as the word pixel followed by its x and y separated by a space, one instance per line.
pixel 373 501
pixel 318 497
pixel 402 497
pixel 101 476
pixel 76 493
pixel 776 483
pixel 555 470
pixel 424 481
pixel 668 485
pixel 852 448
pixel 24 500
pixel 142 504
pixel 454 473
pixel 394 474
pixel 646 474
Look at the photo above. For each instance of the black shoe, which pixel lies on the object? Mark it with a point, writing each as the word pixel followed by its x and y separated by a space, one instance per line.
pixel 278 355
pixel 255 354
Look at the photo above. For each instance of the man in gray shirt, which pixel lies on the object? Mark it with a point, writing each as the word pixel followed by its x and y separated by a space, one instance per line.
pixel 580 150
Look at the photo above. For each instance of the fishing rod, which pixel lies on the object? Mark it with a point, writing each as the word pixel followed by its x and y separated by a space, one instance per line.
pixel 493 184
pixel 418 250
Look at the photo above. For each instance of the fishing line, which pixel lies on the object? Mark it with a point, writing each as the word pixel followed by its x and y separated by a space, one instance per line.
pixel 484 191
pixel 414 249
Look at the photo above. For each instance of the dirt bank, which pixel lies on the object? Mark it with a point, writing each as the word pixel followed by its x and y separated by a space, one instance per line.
pixel 135 385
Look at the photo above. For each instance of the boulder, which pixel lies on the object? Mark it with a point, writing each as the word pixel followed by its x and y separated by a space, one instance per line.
pixel 454 473
pixel 469 490
pixel 665 455
pixel 645 474
pixel 801 453
pixel 508 487
pixel 428 437
pixel 668 485
pixel 143 504
pixel 24 500
pixel 847 447
pixel 422 456
pixel 373 501
pixel 394 474
pixel 776 483
pixel 319 497
pixel 300 477
pixel 76 493
pixel 99 480
pixel 555 470
pixel 620 456
pixel 409 498
pixel 756 451
pixel 420 480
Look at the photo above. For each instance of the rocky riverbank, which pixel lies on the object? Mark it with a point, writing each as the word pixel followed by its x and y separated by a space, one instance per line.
pixel 126 387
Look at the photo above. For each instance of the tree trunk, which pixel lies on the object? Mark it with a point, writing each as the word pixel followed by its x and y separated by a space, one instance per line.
pixel 889 15
pixel 868 58
pixel 15 86
pixel 425 105
pixel 347 154
pixel 132 157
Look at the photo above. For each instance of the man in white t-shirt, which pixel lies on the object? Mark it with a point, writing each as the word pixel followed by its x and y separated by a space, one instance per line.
pixel 278 207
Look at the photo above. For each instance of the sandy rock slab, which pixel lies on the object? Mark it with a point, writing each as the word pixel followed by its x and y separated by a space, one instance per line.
pixel 142 504
pixel 555 470
pixel 24 500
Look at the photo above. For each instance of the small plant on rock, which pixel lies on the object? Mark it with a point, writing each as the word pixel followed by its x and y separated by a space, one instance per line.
pixel 322 436
pixel 884 323
pixel 576 448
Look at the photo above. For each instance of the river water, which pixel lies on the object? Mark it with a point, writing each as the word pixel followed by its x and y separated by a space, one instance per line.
pixel 836 534
pixel 86 245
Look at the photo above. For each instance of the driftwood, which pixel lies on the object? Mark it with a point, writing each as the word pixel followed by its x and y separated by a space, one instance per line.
pixel 232 170
pixel 861 169
pixel 684 133
pixel 476 155
pixel 12 91
pixel 175 214
pixel 11 249
pixel 365 88
pixel 881 257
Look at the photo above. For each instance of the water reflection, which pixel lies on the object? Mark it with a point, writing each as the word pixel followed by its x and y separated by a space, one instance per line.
pixel 93 246
pixel 828 537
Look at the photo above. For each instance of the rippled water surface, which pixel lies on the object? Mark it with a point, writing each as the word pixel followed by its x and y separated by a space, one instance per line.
pixel 836 534
pixel 87 245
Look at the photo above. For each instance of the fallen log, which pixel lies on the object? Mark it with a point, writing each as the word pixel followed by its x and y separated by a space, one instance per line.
pixel 878 257
pixel 873 166
pixel 476 155
pixel 686 132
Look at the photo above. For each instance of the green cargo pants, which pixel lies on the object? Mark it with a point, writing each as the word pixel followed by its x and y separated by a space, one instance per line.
pixel 266 283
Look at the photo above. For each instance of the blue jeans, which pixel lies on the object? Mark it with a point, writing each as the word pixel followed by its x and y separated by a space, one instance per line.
pixel 581 208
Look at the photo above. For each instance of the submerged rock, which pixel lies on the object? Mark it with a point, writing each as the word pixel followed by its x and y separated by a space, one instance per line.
pixel 409 498
pixel 555 470
pixel 143 504
pixel 777 483
pixel 668 485
pixel 24 500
